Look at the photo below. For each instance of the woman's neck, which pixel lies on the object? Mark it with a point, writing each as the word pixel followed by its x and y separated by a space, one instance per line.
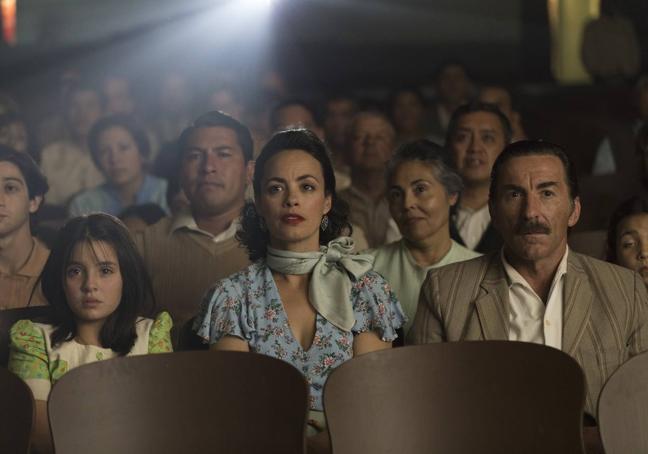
pixel 128 191
pixel 430 251
pixel 295 281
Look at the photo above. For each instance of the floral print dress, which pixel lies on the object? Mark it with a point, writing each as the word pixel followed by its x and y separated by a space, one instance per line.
pixel 247 305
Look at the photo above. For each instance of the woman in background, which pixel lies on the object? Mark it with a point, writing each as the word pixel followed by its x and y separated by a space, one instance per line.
pixel 120 149
pixel 421 191
pixel 627 240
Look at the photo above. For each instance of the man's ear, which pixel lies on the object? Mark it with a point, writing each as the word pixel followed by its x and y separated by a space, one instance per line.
pixel 575 214
pixel 35 203
pixel 249 172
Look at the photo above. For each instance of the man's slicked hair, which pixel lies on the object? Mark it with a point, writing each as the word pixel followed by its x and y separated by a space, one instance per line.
pixel 216 119
pixel 534 148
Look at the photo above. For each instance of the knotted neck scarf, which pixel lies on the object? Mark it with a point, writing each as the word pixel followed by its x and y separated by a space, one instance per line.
pixel 330 285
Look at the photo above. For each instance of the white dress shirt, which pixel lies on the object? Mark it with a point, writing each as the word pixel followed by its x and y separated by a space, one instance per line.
pixel 530 319
pixel 472 224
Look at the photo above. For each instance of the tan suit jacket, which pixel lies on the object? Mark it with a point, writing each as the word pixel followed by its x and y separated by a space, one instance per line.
pixel 605 310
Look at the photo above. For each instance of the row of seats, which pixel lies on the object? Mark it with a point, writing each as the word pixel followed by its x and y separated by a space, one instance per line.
pixel 466 397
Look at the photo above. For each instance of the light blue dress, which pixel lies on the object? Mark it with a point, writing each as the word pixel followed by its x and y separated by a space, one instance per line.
pixel 104 198
pixel 247 305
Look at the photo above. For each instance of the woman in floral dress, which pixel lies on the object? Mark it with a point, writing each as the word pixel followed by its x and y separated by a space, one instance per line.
pixel 306 299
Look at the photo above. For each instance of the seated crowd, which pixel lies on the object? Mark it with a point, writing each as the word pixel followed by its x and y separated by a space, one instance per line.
pixel 410 225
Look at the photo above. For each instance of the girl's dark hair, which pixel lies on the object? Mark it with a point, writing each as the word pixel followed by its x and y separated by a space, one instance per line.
pixel 118 332
pixel 633 205
pixel 118 121
pixel 252 235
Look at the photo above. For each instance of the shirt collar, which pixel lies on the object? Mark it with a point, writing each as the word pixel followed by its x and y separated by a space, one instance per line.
pixel 515 278
pixel 185 220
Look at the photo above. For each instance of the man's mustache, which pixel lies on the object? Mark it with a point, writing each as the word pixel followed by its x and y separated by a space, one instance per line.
pixel 532 227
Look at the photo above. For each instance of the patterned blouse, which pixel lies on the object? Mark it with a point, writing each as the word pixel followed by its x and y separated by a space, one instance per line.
pixel 33 358
pixel 247 305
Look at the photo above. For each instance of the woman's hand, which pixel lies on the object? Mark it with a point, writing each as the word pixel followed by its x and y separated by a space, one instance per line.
pixel 231 343
pixel 367 342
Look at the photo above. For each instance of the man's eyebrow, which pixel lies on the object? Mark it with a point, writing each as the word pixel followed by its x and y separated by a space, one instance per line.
pixel 547 184
pixel 14 179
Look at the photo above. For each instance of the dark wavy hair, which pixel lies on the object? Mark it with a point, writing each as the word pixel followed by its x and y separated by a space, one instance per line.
pixel 118 332
pixel 215 119
pixel 36 182
pixel 252 235
pixel 629 207
pixel 118 121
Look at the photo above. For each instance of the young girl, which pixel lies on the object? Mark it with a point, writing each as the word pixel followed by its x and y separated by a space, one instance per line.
pixel 99 290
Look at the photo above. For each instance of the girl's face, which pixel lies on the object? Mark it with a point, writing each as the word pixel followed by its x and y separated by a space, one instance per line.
pixel 293 200
pixel 632 244
pixel 93 281
pixel 119 157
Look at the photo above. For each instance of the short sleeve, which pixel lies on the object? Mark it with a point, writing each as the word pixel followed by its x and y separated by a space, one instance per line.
pixel 224 313
pixel 376 308
pixel 28 357
pixel 160 334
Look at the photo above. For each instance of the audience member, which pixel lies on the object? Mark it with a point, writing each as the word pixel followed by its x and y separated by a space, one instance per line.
pixel 610 47
pixel 408 113
pixel 186 253
pixel 99 290
pixel 322 304
pixel 173 110
pixel 340 110
pixel 227 99
pixel 67 163
pixel 22 256
pixel 421 190
pixel 453 88
pixel 116 91
pixel 627 240
pixel 477 134
pixel 13 133
pixel 501 97
pixel 615 153
pixel 295 113
pixel 535 289
pixel 370 143
pixel 139 217
pixel 120 148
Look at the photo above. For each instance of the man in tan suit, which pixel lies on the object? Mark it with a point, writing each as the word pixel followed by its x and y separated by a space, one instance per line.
pixel 536 289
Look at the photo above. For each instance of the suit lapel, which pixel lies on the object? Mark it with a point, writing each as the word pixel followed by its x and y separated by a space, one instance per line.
pixel 492 303
pixel 577 304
